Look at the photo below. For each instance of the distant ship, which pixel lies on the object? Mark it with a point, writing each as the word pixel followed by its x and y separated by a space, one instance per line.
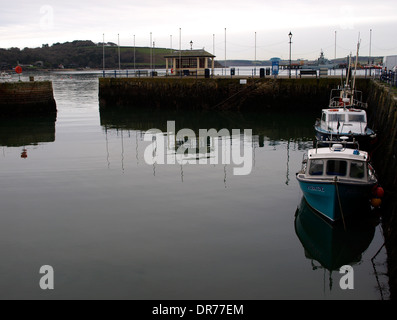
pixel 321 63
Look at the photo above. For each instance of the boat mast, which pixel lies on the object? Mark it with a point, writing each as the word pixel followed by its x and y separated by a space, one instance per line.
pixel 355 70
pixel 345 91
pixel 348 71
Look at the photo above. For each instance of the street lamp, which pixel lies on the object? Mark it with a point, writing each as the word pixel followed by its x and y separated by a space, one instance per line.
pixel 191 45
pixel 290 42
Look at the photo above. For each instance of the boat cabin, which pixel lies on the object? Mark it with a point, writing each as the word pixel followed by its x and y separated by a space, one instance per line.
pixel 344 121
pixel 326 163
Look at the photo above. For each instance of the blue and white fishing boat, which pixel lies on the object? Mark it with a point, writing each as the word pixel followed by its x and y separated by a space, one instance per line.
pixel 336 180
pixel 346 115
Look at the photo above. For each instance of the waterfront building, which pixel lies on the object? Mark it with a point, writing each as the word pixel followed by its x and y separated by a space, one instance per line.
pixel 190 62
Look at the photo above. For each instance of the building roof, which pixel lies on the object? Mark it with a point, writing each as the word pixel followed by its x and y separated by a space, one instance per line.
pixel 201 53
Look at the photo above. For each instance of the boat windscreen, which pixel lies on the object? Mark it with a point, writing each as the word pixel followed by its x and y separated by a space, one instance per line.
pixel 336 117
pixel 336 167
pixel 356 118
pixel 316 167
pixel 357 170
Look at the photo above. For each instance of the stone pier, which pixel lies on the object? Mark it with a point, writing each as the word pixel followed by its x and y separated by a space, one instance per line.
pixel 217 93
pixel 27 98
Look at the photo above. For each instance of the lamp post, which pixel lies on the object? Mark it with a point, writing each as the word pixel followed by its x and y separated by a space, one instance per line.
pixel 103 53
pixel 225 51
pixel 151 52
pixel 255 56
pixel 191 45
pixel 290 42
pixel 134 57
pixel 154 54
pixel 118 35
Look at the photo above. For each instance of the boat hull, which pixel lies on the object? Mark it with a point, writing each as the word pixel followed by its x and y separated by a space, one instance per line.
pixel 337 200
pixel 365 141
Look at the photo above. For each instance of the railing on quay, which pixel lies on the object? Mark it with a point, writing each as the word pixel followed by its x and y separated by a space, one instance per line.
pixel 247 72
pixel 389 77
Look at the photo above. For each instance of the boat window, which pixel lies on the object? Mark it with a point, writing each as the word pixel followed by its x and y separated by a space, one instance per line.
pixel 336 167
pixel 316 167
pixel 356 118
pixel 336 117
pixel 357 170
pixel 323 116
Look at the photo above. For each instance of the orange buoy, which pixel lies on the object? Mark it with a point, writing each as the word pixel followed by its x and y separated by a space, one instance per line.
pixel 18 69
pixel 376 202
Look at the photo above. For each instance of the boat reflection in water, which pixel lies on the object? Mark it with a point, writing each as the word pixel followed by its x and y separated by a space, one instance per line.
pixel 330 247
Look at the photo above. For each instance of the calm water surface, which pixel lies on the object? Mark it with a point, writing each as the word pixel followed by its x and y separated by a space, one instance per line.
pixel 77 194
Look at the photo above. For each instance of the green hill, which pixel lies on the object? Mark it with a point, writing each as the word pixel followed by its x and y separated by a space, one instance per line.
pixel 81 54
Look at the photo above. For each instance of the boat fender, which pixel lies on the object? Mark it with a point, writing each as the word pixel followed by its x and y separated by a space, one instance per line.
pixel 379 192
pixel 376 202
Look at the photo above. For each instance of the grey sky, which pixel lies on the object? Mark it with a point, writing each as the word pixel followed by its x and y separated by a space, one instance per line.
pixel 313 24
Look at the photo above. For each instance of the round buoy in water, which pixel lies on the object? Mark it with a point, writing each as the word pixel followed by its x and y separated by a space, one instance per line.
pixel 376 202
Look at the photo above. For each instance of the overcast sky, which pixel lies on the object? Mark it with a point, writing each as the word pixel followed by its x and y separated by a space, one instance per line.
pixel 313 24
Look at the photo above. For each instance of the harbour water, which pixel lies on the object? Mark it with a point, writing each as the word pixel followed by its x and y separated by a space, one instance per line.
pixel 78 194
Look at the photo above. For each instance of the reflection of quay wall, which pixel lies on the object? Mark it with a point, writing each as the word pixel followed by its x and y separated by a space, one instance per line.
pixel 27 98
pixel 383 102
pixel 218 93
pixel 274 125
pixel 17 132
